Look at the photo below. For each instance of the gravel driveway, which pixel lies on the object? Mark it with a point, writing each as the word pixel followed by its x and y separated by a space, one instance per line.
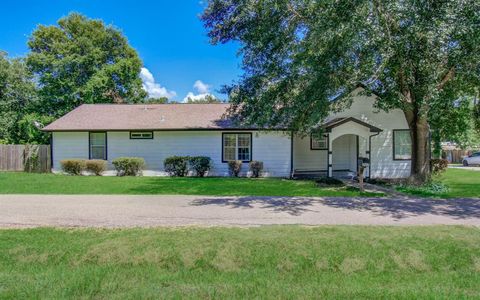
pixel 146 211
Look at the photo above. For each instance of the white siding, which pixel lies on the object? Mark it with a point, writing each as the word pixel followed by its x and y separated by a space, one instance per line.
pixel 68 145
pixel 273 148
pixel 382 164
pixel 305 159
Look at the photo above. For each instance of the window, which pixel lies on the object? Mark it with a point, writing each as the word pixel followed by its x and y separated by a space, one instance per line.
pixel 318 142
pixel 98 145
pixel 141 135
pixel 237 146
pixel 402 145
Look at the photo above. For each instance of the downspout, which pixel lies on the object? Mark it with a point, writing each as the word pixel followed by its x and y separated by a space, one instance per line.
pixel 51 151
pixel 291 154
pixel 370 154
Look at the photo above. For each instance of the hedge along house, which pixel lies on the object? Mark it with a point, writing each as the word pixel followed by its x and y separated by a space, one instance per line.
pixel 155 132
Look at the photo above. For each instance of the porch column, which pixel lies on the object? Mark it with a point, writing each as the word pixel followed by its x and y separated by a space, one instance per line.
pixel 330 157
pixel 369 155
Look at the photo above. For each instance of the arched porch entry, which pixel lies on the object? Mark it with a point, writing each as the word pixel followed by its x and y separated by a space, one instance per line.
pixel 346 150
pixel 348 140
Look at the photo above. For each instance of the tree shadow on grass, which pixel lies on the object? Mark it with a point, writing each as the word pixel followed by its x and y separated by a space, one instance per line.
pixel 397 208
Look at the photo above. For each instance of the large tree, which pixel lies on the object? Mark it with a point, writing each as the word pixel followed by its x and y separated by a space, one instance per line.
pixel 300 54
pixel 18 101
pixel 81 60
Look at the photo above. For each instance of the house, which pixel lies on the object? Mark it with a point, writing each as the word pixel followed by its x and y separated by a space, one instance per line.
pixel 154 132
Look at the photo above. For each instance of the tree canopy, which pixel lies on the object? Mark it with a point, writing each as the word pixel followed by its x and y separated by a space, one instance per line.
pixel 300 54
pixel 81 60
pixel 18 102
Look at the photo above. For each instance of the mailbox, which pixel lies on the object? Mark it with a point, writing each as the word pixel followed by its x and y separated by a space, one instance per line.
pixel 363 161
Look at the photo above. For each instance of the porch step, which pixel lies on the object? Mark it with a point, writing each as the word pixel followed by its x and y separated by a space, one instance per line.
pixel 308 174
pixel 304 174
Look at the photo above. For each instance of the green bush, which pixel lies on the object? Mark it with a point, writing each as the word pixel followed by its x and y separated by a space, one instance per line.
pixel 73 166
pixel 96 166
pixel 176 165
pixel 200 164
pixel 129 166
pixel 234 167
pixel 256 167
pixel 438 165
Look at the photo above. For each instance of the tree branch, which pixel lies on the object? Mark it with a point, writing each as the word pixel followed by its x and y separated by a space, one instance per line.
pixel 450 74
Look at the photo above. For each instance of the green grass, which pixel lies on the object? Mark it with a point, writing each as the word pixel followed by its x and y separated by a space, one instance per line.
pixel 27 183
pixel 267 262
pixel 460 183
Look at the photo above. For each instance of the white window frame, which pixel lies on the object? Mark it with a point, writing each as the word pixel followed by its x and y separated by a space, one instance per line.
pixel 237 134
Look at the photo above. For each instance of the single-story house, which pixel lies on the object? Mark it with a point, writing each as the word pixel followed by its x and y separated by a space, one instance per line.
pixel 155 132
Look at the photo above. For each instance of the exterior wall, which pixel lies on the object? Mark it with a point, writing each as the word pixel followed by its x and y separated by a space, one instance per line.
pixel 382 163
pixel 304 158
pixel 67 145
pixel 273 148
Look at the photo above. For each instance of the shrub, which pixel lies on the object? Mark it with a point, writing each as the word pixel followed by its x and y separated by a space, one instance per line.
pixel 176 165
pixel 96 166
pixel 128 166
pixel 329 181
pixel 200 164
pixel 73 166
pixel 438 165
pixel 256 168
pixel 234 167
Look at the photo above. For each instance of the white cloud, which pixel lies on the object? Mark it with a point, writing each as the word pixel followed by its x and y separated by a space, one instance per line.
pixel 195 97
pixel 154 90
pixel 203 90
pixel 201 87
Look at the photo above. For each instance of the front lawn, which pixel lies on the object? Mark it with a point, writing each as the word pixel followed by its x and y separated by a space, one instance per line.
pixel 286 262
pixel 28 183
pixel 460 184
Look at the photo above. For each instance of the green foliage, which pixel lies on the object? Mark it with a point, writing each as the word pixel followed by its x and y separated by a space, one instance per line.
pixel 256 167
pixel 476 116
pixel 18 101
pixel 298 55
pixel 96 166
pixel 200 164
pixel 176 165
pixel 234 167
pixel 81 60
pixel 29 133
pixel 161 100
pixel 129 166
pixel 207 99
pixel 438 165
pixel 73 166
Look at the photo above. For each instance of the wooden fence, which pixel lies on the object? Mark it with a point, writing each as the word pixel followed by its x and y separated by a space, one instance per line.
pixel 28 158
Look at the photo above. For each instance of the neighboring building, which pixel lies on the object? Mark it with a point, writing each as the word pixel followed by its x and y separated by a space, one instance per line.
pixel 154 132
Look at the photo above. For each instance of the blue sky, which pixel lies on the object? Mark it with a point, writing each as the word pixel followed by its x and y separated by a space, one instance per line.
pixel 167 34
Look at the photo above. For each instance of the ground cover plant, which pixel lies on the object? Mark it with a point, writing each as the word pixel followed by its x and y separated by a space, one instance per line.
pixel 453 183
pixel 287 262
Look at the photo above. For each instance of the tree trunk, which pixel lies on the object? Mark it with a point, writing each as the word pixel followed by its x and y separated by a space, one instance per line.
pixel 420 163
